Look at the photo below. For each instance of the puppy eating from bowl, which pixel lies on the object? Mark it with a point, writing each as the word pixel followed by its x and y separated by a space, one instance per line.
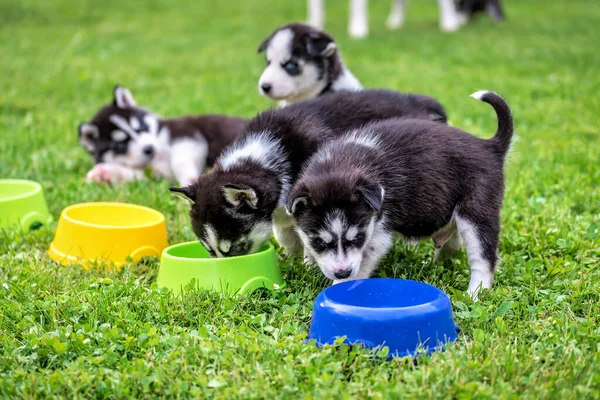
pixel 236 206
pixel 416 178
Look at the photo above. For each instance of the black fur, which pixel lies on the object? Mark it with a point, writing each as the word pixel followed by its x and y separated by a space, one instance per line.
pixel 300 129
pixel 429 172
pixel 473 7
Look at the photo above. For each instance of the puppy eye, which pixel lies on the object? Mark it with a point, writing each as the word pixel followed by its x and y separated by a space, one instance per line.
pixel 268 62
pixel 319 244
pixel 291 66
pixel 120 147
pixel 359 239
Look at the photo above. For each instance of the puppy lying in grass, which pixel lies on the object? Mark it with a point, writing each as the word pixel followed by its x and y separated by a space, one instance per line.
pixel 416 178
pixel 125 139
pixel 235 206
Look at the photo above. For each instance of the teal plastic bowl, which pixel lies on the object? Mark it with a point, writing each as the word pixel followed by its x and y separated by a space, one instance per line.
pixel 22 204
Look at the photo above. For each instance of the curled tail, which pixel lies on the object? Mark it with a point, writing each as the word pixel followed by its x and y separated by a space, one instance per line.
pixel 505 130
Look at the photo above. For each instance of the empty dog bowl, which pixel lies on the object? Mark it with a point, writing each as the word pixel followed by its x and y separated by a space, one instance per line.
pixel 108 232
pixel 406 316
pixel 22 204
pixel 182 263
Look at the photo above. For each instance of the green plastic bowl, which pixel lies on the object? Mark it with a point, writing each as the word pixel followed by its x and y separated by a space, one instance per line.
pixel 22 204
pixel 186 262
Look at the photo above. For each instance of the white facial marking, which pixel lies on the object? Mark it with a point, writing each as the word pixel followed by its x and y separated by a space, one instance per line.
pixel 351 233
pixel 225 246
pixel 336 222
pixel 482 272
pixel 326 236
pixel 212 239
pixel 136 157
pixel 118 136
pixel 134 123
pixel 123 125
pixel 152 123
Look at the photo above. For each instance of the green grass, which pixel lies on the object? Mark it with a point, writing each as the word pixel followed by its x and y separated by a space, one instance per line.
pixel 68 332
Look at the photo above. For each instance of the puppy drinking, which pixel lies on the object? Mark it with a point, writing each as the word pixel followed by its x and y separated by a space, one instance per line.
pixel 412 177
pixel 124 139
pixel 302 63
pixel 235 206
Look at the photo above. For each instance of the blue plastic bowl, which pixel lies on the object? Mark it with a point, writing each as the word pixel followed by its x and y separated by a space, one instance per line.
pixel 406 316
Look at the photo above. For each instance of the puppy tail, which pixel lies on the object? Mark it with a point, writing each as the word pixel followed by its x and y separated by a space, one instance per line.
pixel 506 128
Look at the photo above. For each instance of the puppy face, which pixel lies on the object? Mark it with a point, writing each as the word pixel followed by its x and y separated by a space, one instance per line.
pixel 336 228
pixel 228 219
pixel 122 133
pixel 297 58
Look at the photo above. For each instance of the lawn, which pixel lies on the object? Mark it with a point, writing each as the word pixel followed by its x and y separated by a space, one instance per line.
pixel 75 333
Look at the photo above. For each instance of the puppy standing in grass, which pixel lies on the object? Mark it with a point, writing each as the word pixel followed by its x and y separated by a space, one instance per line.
pixel 413 177
pixel 236 206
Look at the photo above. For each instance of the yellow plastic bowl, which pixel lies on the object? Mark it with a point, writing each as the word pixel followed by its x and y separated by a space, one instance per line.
pixel 107 233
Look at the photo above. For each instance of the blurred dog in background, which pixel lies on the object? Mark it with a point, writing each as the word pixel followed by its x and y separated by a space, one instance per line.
pixel 125 139
pixel 453 14
pixel 302 63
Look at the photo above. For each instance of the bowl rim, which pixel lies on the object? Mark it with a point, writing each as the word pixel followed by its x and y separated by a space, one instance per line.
pixel 36 188
pixel 64 215
pixel 268 247
pixel 347 307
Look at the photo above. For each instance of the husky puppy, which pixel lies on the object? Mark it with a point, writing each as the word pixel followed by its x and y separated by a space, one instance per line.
pixel 302 62
pixel 125 139
pixel 453 14
pixel 235 206
pixel 413 177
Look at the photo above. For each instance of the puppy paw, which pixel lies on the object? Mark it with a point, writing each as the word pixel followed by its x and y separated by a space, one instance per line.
pixel 110 173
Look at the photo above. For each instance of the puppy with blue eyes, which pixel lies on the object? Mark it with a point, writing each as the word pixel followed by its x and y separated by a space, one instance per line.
pixel 302 63
pixel 415 178
pixel 125 139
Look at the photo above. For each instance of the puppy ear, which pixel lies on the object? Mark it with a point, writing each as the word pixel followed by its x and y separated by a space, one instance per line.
pixel 296 206
pixel 373 194
pixel 263 45
pixel 186 193
pixel 123 98
pixel 297 201
pixel 88 135
pixel 320 45
pixel 236 195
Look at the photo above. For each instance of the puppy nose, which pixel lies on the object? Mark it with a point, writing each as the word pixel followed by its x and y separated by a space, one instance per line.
pixel 342 273
pixel 266 87
pixel 148 150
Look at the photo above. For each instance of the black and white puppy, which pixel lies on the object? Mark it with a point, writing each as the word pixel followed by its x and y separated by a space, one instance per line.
pixel 236 206
pixel 124 140
pixel 453 14
pixel 302 62
pixel 412 177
